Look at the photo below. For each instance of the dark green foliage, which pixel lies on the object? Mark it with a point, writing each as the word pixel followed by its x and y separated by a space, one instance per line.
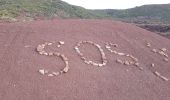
pixel 148 13
pixel 43 8
pixel 56 8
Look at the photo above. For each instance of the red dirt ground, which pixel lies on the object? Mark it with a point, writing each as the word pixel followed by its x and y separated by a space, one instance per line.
pixel 19 79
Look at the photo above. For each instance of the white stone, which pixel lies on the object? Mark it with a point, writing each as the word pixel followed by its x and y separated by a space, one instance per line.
pixel 164 49
pixel 46 53
pixel 57 54
pixel 152 65
pixel 61 42
pixel 56 73
pixel 148 45
pixel 50 75
pixel 76 48
pixel 58 46
pixel 49 44
pixel 164 78
pixel 94 64
pixel 108 47
pixel 115 52
pixel 90 62
pixel 166 59
pixel 157 73
pixel 100 65
pixel 137 64
pixel 65 70
pixel 119 61
pixel 42 71
pixel 127 63
pixel 154 50
pixel 121 54
pixel 161 53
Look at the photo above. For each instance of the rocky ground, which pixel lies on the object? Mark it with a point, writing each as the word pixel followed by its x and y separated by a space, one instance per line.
pixel 23 69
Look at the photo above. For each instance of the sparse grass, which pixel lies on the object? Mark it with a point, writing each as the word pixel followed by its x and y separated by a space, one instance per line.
pixel 51 8
pixel 43 8
pixel 146 13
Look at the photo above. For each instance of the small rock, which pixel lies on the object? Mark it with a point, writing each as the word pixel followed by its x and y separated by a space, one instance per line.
pixel 40 48
pixel 152 65
pixel 100 65
pixel 136 64
pixel 148 45
pixel 126 63
pixel 58 46
pixel 166 59
pixel 164 49
pixel 95 64
pixel 66 62
pixel 119 61
pixel 87 62
pixel 127 55
pixel 83 58
pixel 108 47
pixel 160 76
pixel 50 54
pixel 162 53
pixel 42 71
pixel 61 42
pixel 135 59
pixel 154 50
pixel 98 45
pixel 115 52
pixel 56 73
pixel 140 68
pixel 157 73
pixel 65 70
pixel 49 44
pixel 50 75
pixel 76 48
pixel 90 62
pixel 164 78
pixel 56 54
pixel 46 53
pixel 121 54
pixel 41 52
pixel 65 58
pixel 104 64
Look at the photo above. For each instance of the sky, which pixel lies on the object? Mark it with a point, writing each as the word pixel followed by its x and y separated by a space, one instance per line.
pixel 113 4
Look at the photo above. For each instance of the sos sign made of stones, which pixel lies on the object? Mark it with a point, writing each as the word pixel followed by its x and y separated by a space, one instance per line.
pixel 41 50
pixel 134 61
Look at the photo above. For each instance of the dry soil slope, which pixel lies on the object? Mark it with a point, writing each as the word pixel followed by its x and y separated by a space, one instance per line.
pixel 19 62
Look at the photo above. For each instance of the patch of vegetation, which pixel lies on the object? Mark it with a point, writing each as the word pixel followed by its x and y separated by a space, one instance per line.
pixel 146 14
pixel 10 9
pixel 43 8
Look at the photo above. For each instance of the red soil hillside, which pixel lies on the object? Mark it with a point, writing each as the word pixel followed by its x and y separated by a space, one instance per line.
pixel 20 63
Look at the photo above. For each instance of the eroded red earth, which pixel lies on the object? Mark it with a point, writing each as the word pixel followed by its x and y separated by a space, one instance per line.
pixel 19 62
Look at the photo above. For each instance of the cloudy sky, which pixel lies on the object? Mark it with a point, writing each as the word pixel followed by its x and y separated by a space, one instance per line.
pixel 113 4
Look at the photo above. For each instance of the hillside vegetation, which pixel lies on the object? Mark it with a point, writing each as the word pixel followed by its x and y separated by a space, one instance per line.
pixel 10 9
pixel 143 14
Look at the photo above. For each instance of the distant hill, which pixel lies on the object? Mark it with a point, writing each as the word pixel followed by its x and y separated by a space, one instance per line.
pixel 10 9
pixel 157 13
